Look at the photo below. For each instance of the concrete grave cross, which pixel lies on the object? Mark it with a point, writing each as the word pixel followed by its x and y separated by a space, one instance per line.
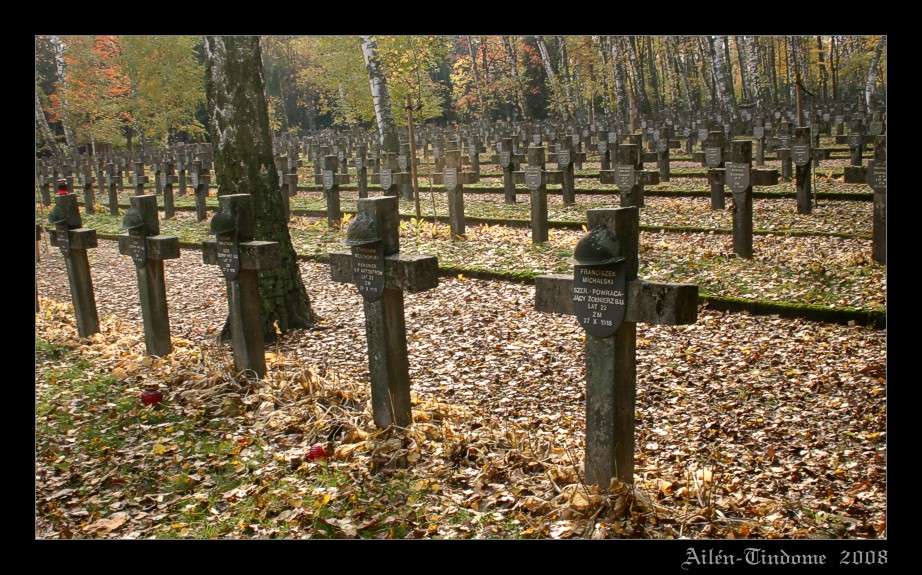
pixel 147 248
pixel 611 365
pixel 331 190
pixel 69 235
pixel 240 257
pixel 376 229
pixel 139 179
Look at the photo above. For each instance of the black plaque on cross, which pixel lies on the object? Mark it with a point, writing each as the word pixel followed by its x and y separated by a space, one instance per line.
pixel 533 177
pixel 137 246
pixel 450 178
pixel 877 175
pixel 63 238
pixel 563 157
pixel 713 156
pixel 386 178
pixel 599 297
pixel 737 176
pixel 854 140
pixel 368 270
pixel 603 147
pixel 876 128
pixel 702 134
pixel 625 177
pixel 402 163
pixel 228 255
pixel 758 132
pixel 328 182
pixel 505 159
pixel 800 154
pixel 784 141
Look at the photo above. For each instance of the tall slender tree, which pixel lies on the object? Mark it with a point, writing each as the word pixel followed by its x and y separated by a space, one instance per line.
pixel 387 126
pixel 242 149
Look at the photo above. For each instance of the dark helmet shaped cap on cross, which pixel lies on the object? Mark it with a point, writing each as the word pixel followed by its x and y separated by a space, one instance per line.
pixel 598 247
pixel 222 223
pixel 362 231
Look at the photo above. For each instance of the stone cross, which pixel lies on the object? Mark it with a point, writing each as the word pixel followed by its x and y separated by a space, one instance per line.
pixel 714 157
pixel 536 179
pixel 86 182
pixel 240 258
pixel 200 180
pixel 148 249
pixel 661 139
pixel 44 183
pixel 454 179
pixel 609 301
pixel 758 134
pixel 69 235
pixel 877 179
pixel 507 162
pixel 331 190
pixel 382 274
pixel 855 173
pixel 361 170
pixel 629 178
pixel 784 150
pixel 738 175
pixel 167 178
pixel 113 183
pixel 280 166
pixel 67 171
pixel 139 179
pixel 565 166
pixel 802 155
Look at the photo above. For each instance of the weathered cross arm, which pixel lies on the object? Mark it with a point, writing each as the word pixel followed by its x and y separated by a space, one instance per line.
pixel 80 238
pixel 647 302
pixel 159 247
pixel 255 255
pixel 406 272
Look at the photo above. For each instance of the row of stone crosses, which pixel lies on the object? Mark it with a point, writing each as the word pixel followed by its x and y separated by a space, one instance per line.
pixel 521 154
pixel 604 291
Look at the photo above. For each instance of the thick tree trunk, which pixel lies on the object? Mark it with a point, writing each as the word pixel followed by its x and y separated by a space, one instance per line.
pixel 512 61
pixel 65 108
pixel 872 72
pixel 387 126
pixel 242 153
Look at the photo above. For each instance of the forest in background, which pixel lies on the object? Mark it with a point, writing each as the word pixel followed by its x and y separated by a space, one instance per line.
pixel 146 92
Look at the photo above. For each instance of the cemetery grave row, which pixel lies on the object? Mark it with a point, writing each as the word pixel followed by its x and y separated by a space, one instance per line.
pixel 443 320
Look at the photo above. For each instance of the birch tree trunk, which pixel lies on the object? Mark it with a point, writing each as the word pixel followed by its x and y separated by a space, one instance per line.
pixel 512 61
pixel 640 95
pixel 551 75
pixel 61 69
pixel 746 93
pixel 715 43
pixel 618 74
pixel 41 122
pixel 755 80
pixel 387 126
pixel 243 161
pixel 872 72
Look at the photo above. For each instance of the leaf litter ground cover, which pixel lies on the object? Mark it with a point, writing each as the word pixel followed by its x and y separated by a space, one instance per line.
pixel 747 426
